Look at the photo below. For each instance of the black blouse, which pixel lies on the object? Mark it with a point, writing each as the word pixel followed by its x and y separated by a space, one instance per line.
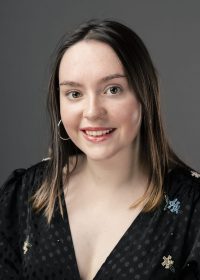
pixel 161 244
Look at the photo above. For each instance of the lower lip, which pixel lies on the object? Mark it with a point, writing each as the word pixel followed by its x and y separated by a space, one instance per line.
pixel 97 139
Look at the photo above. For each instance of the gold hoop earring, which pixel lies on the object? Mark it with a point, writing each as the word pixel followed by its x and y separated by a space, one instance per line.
pixel 64 139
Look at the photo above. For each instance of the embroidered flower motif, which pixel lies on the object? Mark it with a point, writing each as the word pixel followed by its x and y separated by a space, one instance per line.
pixel 195 174
pixel 27 245
pixel 168 263
pixel 172 205
pixel 45 159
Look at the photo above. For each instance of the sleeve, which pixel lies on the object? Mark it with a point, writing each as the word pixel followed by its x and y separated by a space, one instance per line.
pixel 191 269
pixel 10 260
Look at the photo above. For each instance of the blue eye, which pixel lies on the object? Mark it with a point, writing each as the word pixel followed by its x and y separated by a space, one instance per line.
pixel 73 94
pixel 114 90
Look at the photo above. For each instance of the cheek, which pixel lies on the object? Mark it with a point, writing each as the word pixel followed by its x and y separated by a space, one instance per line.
pixel 135 116
pixel 69 117
pixel 131 115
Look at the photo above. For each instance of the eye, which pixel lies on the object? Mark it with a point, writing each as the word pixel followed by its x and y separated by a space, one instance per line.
pixel 113 90
pixel 73 94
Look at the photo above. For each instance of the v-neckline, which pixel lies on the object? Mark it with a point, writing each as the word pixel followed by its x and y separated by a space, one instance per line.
pixel 117 246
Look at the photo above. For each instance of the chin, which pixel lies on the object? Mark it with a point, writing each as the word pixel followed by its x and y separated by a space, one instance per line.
pixel 100 156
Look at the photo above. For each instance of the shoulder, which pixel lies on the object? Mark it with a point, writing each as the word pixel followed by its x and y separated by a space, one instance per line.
pixel 183 206
pixel 182 194
pixel 182 202
pixel 20 181
pixel 15 195
pixel 183 182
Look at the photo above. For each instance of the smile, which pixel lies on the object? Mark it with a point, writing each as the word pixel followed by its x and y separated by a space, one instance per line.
pixel 98 132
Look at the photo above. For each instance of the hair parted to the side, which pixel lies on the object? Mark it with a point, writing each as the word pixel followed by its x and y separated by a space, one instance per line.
pixel 142 76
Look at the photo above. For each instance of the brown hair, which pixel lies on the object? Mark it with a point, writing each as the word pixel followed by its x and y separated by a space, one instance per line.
pixel 142 76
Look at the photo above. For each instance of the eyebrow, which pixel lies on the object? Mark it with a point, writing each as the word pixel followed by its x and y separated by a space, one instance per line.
pixel 104 79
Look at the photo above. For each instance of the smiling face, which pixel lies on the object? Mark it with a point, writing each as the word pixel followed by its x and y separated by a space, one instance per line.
pixel 99 110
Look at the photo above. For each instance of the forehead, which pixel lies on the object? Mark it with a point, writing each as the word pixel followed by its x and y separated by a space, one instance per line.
pixel 89 59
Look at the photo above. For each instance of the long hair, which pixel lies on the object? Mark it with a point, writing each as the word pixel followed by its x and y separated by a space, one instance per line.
pixel 142 76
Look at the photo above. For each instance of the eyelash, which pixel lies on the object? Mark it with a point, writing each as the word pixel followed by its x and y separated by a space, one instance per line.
pixel 119 90
pixel 71 92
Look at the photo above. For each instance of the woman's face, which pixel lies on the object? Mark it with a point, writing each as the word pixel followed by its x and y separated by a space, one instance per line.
pixel 99 110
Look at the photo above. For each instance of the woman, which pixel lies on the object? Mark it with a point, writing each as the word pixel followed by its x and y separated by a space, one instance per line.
pixel 112 201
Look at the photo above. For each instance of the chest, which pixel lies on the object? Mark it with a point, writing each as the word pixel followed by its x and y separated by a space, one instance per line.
pixel 73 248
pixel 95 233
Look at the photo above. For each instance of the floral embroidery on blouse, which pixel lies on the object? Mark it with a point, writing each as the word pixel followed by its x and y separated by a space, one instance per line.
pixel 27 245
pixel 168 263
pixel 172 205
pixel 46 159
pixel 195 174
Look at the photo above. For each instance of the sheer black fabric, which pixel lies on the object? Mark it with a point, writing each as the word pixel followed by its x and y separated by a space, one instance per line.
pixel 162 244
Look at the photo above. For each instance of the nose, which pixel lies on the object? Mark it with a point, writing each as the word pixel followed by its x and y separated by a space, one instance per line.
pixel 94 108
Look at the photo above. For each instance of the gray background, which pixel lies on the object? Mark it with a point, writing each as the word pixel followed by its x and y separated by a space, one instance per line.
pixel 30 31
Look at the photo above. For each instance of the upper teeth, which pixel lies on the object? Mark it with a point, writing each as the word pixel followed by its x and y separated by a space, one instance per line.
pixel 98 132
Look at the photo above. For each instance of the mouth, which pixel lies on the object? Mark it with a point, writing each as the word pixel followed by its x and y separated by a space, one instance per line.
pixel 97 132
